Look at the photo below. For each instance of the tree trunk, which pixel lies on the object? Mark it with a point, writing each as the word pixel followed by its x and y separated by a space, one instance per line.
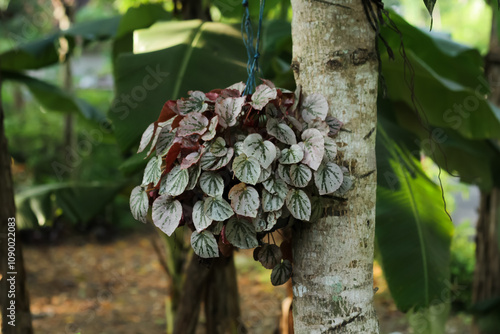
pixel 15 273
pixel 334 54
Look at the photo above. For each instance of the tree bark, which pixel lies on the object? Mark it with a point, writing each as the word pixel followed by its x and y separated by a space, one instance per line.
pixel 334 54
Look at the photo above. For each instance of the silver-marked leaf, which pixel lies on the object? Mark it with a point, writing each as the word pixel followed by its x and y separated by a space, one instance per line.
pixel 212 184
pixel 271 111
pixel 244 200
pixel 272 219
pixel 239 86
pixel 156 135
pixel 167 214
pixel 319 125
pixel 241 233
pixel 314 148
pixel 223 161
pixel 263 94
pixel 216 208
pixel 271 202
pixel 284 173
pixel 265 173
pixel 212 126
pixel 291 155
pixel 195 104
pixel 208 160
pixel 313 106
pixel 330 150
pixel 328 178
pixel 152 173
pixel 177 181
pixel 276 186
pixel 300 175
pixel 281 273
pixel 194 123
pixel 204 244
pixel 216 228
pixel 191 159
pixel 299 204
pixel 238 147
pixel 200 220
pixel 346 183
pixel 146 137
pixel 270 256
pixel 165 141
pixel 295 122
pixel 281 131
pixel 334 124
pixel 262 150
pixel 247 169
pixel 194 174
pixel 259 222
pixel 139 203
pixel 218 147
pixel 228 110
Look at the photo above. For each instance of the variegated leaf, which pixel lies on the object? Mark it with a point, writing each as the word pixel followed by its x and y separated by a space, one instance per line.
pixel 317 208
pixel 281 131
pixel 281 273
pixel 204 244
pixel 193 123
pixel 195 104
pixel 238 147
pixel 291 155
pixel 299 204
pixel 328 178
pixel 313 106
pixel 191 159
pixel 223 161
pixel 270 256
pixel 139 204
pixel 240 86
pixel 208 160
pixel 271 202
pixel 259 222
pixel 218 147
pixel 241 233
pixel 265 173
pixel 165 141
pixel 156 135
pixel 194 174
pixel 295 122
pixel 346 183
pixel 146 137
pixel 167 214
pixel 300 175
pixel 284 173
pixel 247 169
pixel 244 200
pixel 152 173
pixel 216 228
pixel 262 150
pixel 272 219
pixel 228 110
pixel 330 149
pixel 216 208
pixel 319 125
pixel 212 126
pixel 263 94
pixel 276 186
pixel 334 124
pixel 212 184
pixel 177 181
pixel 314 148
pixel 200 220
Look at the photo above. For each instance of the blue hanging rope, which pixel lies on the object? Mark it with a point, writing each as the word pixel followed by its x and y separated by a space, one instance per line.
pixel 252 52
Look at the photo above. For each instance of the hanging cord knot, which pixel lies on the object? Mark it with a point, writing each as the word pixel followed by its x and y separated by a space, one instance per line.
pixel 245 3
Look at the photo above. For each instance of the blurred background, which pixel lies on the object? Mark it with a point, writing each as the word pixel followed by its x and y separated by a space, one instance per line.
pixel 81 80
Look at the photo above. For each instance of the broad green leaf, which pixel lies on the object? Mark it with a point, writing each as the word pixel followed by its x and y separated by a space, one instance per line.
pixel 291 155
pixel 177 181
pixel 314 148
pixel 165 141
pixel 241 233
pixel 139 204
pixel 284 173
pixel 224 160
pixel 167 214
pixel 299 204
pixel 218 147
pixel 300 175
pixel 194 174
pixel 200 220
pixel 281 273
pixel 228 110
pixel 152 173
pixel 216 208
pixel 244 200
pixel 330 150
pixel 194 104
pixel 328 178
pixel 146 137
pixel 314 106
pixel 193 123
pixel 212 126
pixel 270 256
pixel 263 94
pixel 212 184
pixel 334 125
pixel 204 244
pixel 276 186
pixel 272 202
pixel 191 159
pixel 247 169
pixel 281 131
pixel 262 150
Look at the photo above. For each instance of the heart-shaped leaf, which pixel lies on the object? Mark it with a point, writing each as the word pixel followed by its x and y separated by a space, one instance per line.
pixel 265 173
pixel 218 147
pixel 223 161
pixel 247 169
pixel 177 181
pixel 334 124
pixel 291 155
pixel 191 159
pixel 314 106
pixel 259 222
pixel 284 173
pixel 346 183
pixel 194 174
pixel 281 273
pixel 146 137
pixel 167 214
pixel 204 244
pixel 165 141
pixel 328 178
pixel 241 233
pixel 319 125
pixel 300 175
pixel 152 173
pixel 263 94
pixel 299 204
pixel 194 123
pixel 272 202
pixel 239 86
pixel 270 256
pixel 208 160
pixel 139 203
pixel 272 219
pixel 212 126
pixel 200 220
pixel 228 110
pixel 212 184
pixel 217 208
pixel 281 131
pixel 244 200
pixel 262 150
pixel 314 148
pixel 195 104
pixel 276 186
pixel 330 149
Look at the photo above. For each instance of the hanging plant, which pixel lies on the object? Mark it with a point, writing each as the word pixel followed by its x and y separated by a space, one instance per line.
pixel 235 168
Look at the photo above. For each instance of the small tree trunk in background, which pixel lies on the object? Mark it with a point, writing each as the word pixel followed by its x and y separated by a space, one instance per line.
pixel 8 210
pixel 334 54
